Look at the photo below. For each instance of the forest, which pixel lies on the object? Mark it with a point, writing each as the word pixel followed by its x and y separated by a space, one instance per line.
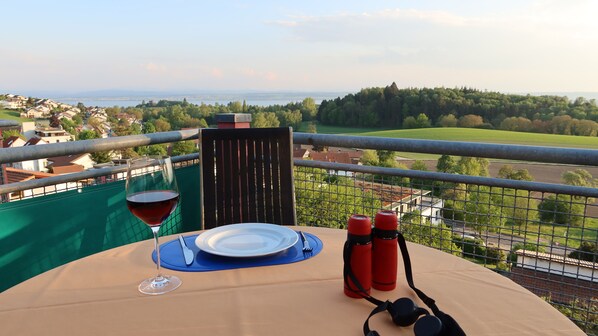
pixel 391 107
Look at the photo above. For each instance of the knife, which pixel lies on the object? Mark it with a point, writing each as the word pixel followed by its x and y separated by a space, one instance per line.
pixel 186 251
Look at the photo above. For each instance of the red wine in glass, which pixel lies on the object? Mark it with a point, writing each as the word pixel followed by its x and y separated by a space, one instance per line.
pixel 153 207
pixel 152 195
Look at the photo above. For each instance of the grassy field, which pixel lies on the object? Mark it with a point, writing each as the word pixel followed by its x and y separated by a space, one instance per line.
pixel 489 136
pixel 468 135
pixel 11 115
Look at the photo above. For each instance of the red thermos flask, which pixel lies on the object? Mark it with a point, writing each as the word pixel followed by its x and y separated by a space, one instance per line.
pixel 359 230
pixel 384 251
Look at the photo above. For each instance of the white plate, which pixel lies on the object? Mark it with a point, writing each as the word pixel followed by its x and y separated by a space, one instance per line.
pixel 246 240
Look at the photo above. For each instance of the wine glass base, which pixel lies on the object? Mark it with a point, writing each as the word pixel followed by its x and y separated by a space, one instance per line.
pixel 157 286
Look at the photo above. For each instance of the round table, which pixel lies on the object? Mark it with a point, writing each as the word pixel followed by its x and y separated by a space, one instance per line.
pixel 97 295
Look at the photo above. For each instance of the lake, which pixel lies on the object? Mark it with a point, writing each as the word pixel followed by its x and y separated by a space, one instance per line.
pixel 251 98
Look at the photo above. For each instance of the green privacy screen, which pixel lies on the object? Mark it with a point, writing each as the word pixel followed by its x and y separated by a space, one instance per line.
pixel 41 233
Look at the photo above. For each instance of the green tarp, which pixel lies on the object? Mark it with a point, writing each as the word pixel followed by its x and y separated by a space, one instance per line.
pixel 41 233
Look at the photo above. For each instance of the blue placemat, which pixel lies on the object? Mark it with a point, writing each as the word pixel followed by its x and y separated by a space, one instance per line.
pixel 171 256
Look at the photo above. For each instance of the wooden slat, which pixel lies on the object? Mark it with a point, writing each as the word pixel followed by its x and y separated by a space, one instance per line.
pixel 274 167
pixel 251 181
pixel 243 182
pixel 287 189
pixel 208 183
pixel 259 181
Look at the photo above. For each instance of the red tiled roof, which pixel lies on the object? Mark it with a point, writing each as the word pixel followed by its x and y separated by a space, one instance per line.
pixel 8 141
pixel 387 193
pixel 32 141
pixel 13 175
pixel 64 160
pixel 342 157
pixel 73 168
pixel 299 153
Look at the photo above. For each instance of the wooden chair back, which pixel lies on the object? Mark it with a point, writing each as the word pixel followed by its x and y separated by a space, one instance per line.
pixel 247 176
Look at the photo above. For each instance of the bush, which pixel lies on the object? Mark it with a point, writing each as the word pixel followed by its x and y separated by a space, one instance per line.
pixel 473 248
pixel 584 314
pixel 512 257
pixel 586 251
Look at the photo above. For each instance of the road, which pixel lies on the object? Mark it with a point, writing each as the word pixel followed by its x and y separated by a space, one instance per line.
pixel 502 240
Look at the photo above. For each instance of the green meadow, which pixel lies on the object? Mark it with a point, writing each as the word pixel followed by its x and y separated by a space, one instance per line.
pixel 11 115
pixel 469 135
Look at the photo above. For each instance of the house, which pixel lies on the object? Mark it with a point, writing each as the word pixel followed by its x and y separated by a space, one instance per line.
pixel 14 102
pixel 13 141
pixel 404 200
pixel 70 163
pixel 39 111
pixel 53 134
pixel 37 165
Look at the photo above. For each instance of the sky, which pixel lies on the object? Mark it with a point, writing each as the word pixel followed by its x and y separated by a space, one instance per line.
pixel 310 45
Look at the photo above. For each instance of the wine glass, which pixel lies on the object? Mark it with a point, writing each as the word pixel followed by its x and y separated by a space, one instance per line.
pixel 152 195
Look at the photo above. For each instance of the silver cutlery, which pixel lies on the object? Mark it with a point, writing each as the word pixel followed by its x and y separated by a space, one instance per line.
pixel 307 249
pixel 187 253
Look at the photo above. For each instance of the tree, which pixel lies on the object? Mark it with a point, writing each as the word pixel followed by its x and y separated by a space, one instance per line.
pixel 309 110
pixel 422 121
pixel 290 118
pixel 418 229
pixel 420 183
pixel 561 210
pixel 369 158
pixel 518 207
pixel 94 122
pixel 518 124
pixel 472 166
pixel 148 127
pixel 447 121
pixel 470 120
pixel 264 119
pixel 101 157
pixel 446 164
pixel 311 127
pixel 235 107
pixel 162 125
pixel 183 147
pixel 410 122
pixel 482 212
pixel 507 172
pixel 88 134
pixel 386 158
pixel 587 251
pixel 12 132
pixel 579 177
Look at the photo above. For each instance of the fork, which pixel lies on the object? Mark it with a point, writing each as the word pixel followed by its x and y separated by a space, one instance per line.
pixel 307 249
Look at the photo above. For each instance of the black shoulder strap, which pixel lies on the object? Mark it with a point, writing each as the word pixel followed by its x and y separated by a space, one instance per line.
pixel 451 327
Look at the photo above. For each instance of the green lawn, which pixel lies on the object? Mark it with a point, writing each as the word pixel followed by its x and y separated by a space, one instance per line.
pixel 565 236
pixel 11 115
pixel 468 135
pixel 489 136
pixel 324 129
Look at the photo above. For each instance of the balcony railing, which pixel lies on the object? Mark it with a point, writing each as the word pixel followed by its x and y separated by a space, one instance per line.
pixel 528 231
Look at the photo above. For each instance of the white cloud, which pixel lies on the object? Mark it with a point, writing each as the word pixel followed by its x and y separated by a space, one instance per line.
pixel 543 45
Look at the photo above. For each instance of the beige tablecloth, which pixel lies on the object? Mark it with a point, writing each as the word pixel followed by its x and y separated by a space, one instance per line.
pixel 98 295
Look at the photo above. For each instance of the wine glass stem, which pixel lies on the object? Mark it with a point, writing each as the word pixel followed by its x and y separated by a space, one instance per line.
pixel 155 230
